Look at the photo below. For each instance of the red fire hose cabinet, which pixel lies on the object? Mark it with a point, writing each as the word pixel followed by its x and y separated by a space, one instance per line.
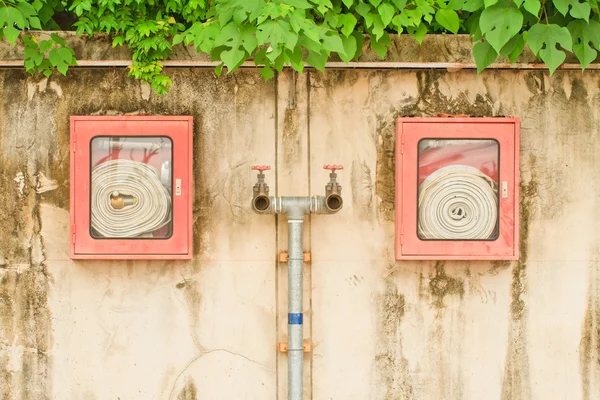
pixel 457 188
pixel 131 187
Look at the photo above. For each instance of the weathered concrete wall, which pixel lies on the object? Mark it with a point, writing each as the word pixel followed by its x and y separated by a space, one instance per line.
pixel 382 329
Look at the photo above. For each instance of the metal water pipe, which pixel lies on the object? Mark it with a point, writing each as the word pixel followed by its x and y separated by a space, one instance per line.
pixel 296 208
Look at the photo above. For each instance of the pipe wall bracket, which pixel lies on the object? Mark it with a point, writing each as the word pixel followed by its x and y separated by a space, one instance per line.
pixel 284 257
pixel 306 346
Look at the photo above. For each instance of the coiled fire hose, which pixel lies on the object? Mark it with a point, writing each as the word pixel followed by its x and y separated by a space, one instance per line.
pixel 458 202
pixel 147 204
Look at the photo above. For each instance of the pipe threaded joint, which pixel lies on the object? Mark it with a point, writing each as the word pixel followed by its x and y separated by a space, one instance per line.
pixel 261 203
pixel 334 202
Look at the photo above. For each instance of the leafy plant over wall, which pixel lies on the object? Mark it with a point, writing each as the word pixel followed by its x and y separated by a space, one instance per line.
pixel 278 33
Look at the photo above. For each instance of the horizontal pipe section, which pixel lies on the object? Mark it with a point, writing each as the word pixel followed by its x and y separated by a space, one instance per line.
pixel 296 207
pixel 330 65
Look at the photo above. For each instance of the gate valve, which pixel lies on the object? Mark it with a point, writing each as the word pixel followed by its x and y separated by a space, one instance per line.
pixel 261 168
pixel 333 187
pixel 261 188
pixel 333 167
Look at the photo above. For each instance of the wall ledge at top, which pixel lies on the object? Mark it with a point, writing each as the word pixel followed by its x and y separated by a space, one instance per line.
pixel 448 49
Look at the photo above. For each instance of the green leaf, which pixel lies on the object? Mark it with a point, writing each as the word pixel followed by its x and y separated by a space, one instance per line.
pixel 323 5
pixel 248 38
pixel 586 39
pixel 532 6
pixel 381 45
pixel 120 40
pixel 516 52
pixel 472 25
pixel 317 60
pixel 45 13
pixel 374 21
pixel 375 2
pixel 348 3
pixel 301 4
pixel 509 46
pixel 331 18
pixel 61 57
pixel 58 40
pixel 578 10
pixel 542 40
pixel 349 48
pixel 363 9
pixel 418 33
pixel 333 43
pixel 232 58
pixel 489 3
pixel 277 32
pixel 456 4
pixel 448 19
pixel 386 11
pixel 45 45
pixel 400 4
pixel 472 5
pixel 267 73
pixel 296 58
pixel 62 68
pixel 219 69
pixel 484 55
pixel 299 23
pixel 360 41
pixel 499 23
pixel 11 34
pixel 348 22
pixel 10 16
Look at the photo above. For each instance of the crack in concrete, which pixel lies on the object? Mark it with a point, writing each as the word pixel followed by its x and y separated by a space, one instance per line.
pixel 205 352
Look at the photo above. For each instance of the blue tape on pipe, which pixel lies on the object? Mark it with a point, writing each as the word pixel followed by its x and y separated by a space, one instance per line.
pixel 295 319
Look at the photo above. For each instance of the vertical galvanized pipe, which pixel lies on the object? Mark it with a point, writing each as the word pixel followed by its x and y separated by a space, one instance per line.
pixel 295 342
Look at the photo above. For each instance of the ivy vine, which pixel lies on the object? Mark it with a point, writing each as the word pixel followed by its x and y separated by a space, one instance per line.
pixel 278 33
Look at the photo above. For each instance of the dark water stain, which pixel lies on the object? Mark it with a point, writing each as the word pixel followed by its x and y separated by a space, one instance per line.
pixel 589 347
pixel 362 188
pixel 25 315
pixel 291 137
pixel 442 285
pixel 193 300
pixel 390 362
pixel 498 265
pixel 189 391
pixel 516 383
pixel 429 102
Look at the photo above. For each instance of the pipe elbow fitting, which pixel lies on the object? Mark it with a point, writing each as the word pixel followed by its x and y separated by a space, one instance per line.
pixel 261 203
pixel 333 202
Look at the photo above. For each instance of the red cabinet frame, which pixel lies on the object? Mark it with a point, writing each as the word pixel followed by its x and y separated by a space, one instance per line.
pixel 409 132
pixel 179 129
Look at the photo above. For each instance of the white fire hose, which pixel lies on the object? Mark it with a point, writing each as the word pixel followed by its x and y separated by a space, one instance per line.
pixel 458 202
pixel 147 209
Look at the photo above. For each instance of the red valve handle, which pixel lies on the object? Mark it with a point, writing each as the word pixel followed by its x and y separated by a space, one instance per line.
pixel 333 167
pixel 261 168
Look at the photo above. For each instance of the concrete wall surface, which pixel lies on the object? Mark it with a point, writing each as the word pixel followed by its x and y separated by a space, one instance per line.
pixel 381 329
